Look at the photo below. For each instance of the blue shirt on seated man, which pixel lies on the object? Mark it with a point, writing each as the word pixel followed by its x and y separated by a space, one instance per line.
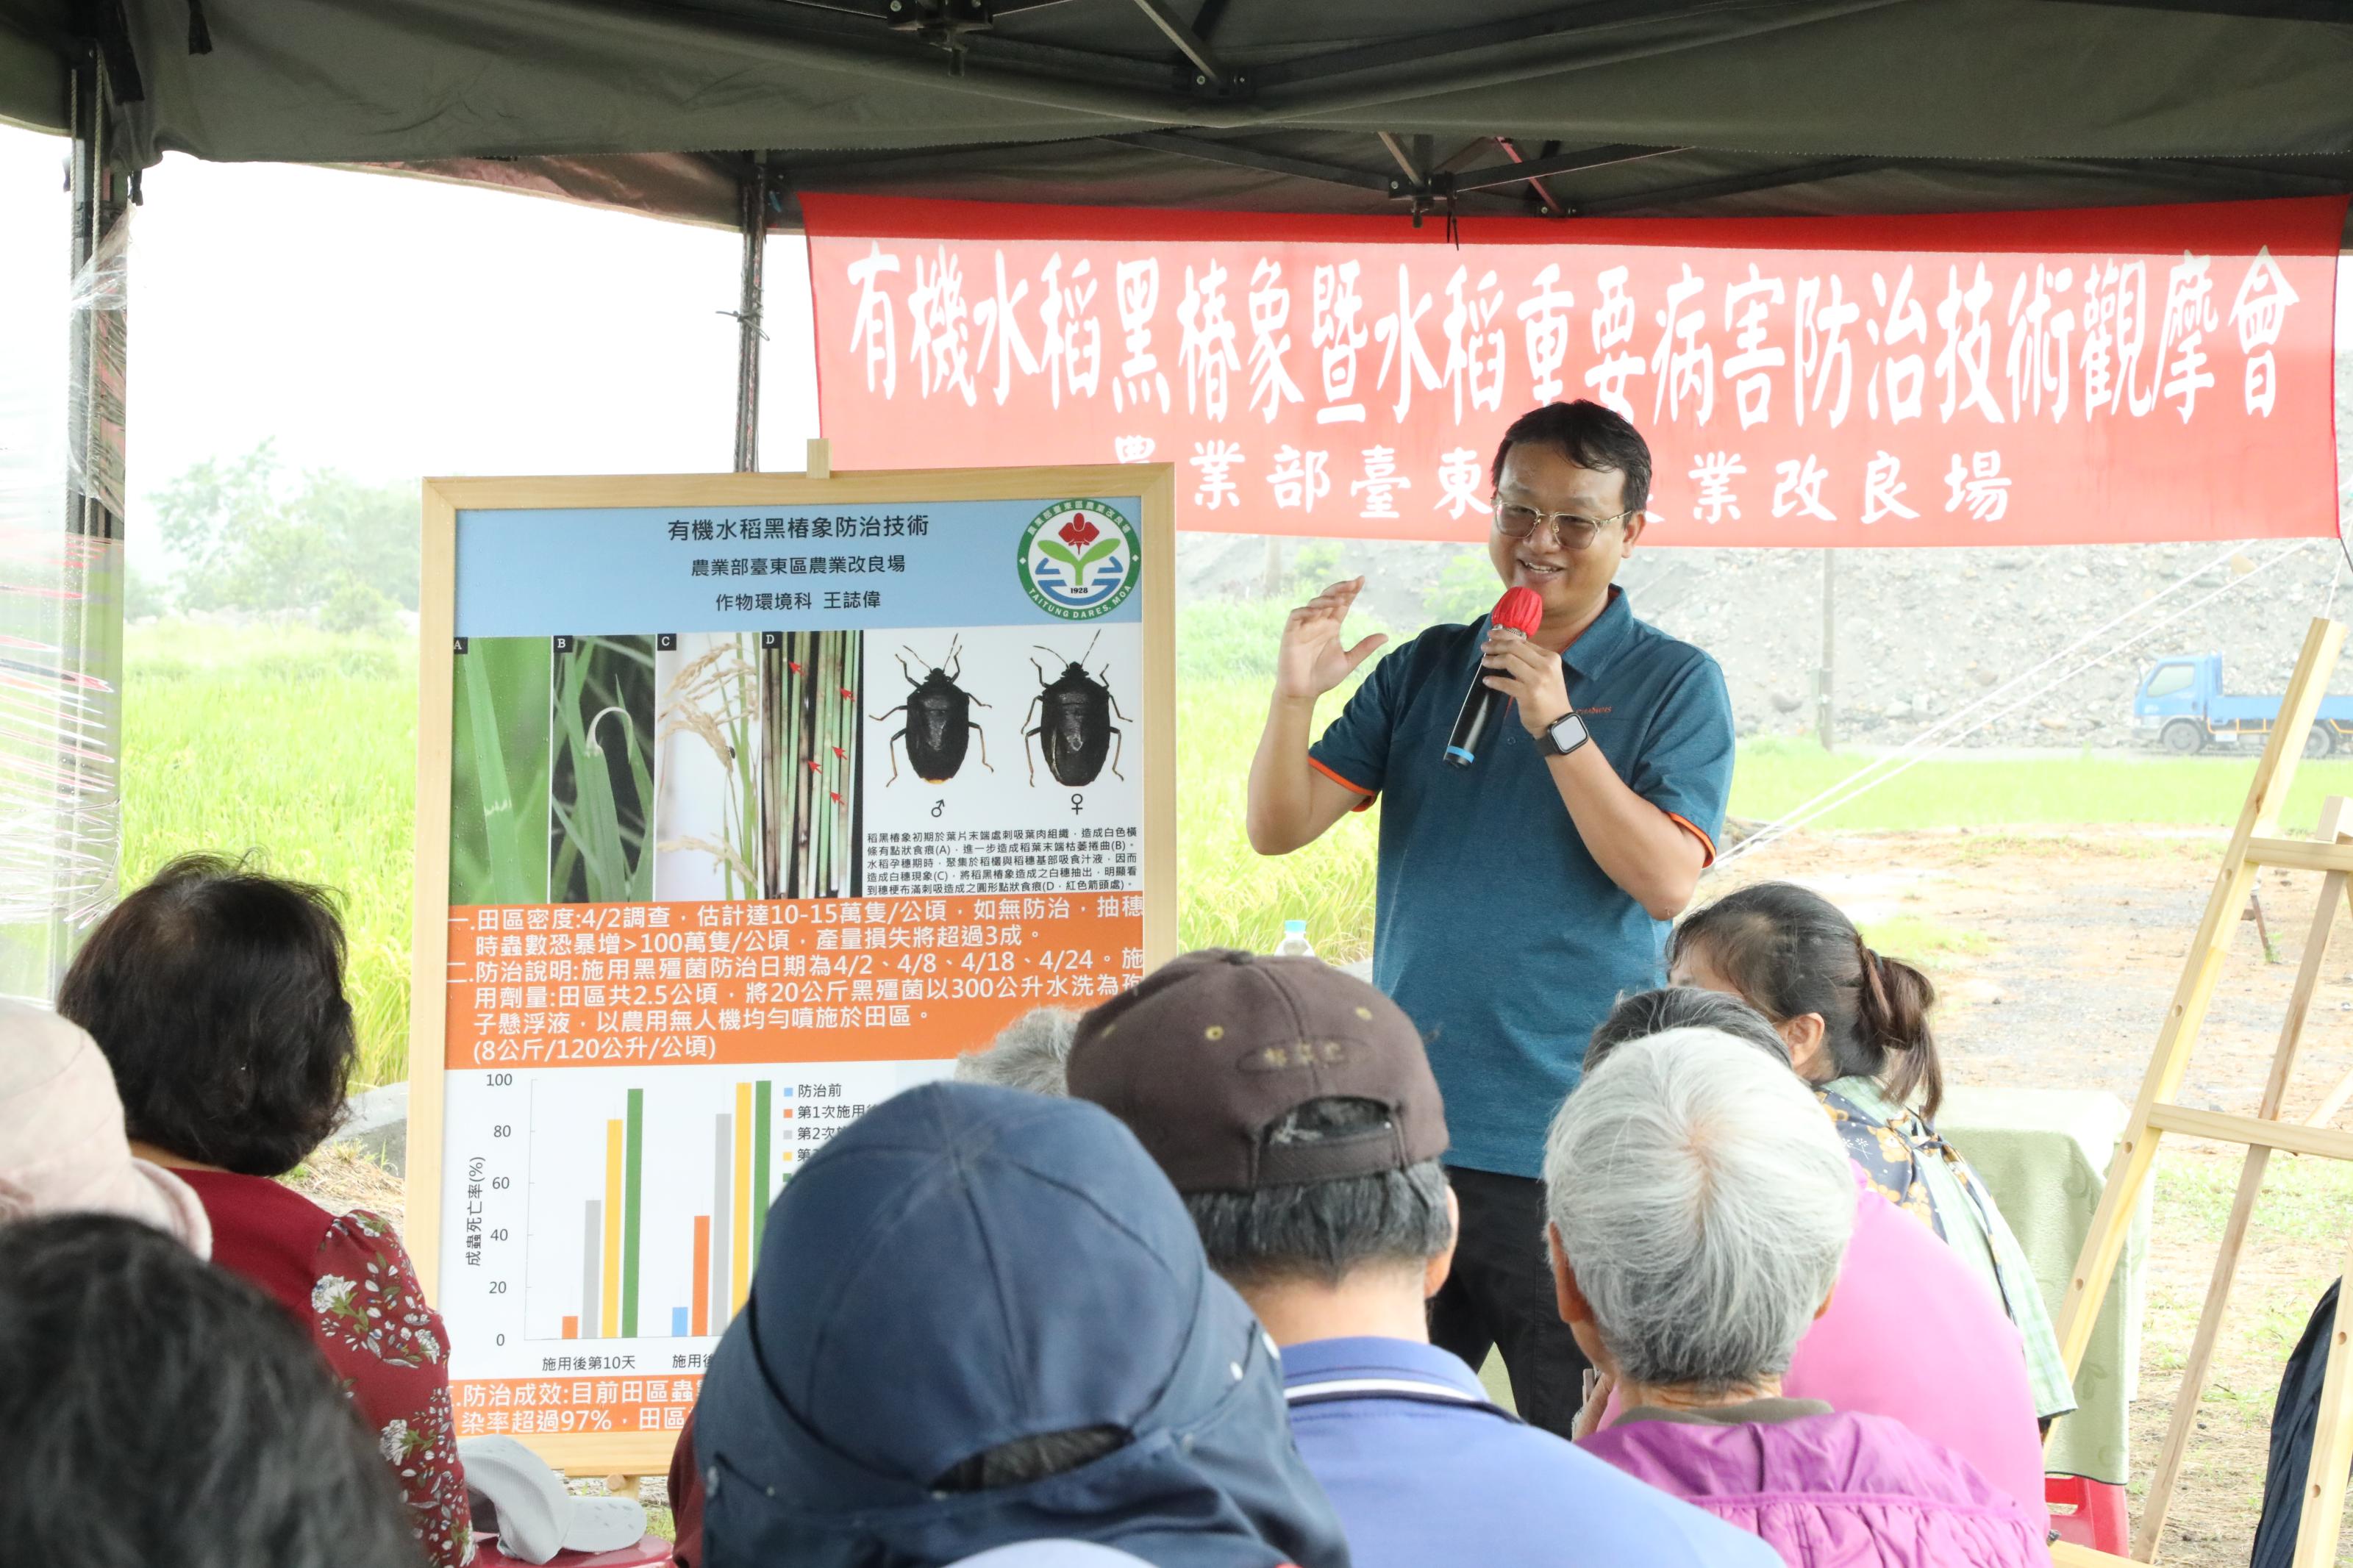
pixel 1295 1109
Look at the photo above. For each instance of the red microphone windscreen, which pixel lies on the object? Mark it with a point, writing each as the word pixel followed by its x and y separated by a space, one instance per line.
pixel 1519 609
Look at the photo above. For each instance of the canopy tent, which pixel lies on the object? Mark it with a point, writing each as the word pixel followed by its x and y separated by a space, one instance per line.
pixel 722 112
pixel 1631 106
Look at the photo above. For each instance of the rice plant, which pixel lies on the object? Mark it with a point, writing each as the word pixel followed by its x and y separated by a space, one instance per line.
pixel 713 698
pixel 303 746
pixel 499 773
pixel 602 798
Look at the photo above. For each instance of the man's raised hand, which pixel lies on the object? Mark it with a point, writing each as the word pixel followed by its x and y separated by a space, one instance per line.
pixel 1313 659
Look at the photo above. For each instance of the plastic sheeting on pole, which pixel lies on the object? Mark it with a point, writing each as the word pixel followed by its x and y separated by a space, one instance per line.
pixel 61 579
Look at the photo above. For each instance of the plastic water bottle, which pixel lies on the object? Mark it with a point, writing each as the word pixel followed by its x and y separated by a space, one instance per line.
pixel 1294 943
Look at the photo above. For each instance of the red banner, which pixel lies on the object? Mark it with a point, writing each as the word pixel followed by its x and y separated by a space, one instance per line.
pixel 2073 378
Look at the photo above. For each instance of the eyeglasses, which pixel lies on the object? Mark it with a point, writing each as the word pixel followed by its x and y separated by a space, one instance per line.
pixel 1575 532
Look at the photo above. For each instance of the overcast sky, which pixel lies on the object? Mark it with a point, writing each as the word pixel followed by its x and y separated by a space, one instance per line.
pixel 395 328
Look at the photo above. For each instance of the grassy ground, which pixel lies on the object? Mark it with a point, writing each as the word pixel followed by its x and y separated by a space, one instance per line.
pixel 1777 776
pixel 302 745
pixel 2294 1249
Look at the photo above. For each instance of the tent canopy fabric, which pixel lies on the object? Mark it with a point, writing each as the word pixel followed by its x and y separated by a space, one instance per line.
pixel 1638 107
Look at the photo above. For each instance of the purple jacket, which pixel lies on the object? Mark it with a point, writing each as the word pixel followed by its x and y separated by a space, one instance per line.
pixel 1838 1491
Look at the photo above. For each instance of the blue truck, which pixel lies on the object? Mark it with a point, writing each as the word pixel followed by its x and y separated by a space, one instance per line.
pixel 2182 706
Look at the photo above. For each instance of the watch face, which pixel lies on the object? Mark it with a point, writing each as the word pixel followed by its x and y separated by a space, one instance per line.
pixel 1567 732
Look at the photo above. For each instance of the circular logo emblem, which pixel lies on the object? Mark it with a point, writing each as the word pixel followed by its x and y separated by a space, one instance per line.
pixel 1079 560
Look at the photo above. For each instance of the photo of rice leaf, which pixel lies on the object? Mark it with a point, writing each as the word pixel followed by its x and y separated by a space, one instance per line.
pixel 499 772
pixel 601 791
pixel 707 801
pixel 812 788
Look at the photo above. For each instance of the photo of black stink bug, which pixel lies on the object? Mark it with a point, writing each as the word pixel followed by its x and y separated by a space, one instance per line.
pixel 1074 722
pixel 939 720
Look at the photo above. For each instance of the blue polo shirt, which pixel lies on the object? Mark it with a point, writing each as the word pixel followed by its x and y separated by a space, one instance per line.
pixel 1423 1471
pixel 1493 928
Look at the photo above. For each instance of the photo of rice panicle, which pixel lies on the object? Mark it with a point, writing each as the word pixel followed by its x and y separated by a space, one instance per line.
pixel 707 756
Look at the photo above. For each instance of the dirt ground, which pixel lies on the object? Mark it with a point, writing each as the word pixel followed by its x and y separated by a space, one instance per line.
pixel 2056 955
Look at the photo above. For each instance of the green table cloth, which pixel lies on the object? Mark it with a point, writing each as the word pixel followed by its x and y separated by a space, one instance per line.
pixel 2043 1154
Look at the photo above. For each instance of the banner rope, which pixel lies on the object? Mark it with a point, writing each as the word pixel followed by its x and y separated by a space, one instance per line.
pixel 1947 733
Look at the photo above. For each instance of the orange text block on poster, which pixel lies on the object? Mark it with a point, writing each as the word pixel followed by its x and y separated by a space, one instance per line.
pixel 579 1394
pixel 813 980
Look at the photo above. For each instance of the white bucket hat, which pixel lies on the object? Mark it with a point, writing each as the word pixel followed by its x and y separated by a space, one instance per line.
pixel 1050 1555
pixel 62 1146
pixel 538 1515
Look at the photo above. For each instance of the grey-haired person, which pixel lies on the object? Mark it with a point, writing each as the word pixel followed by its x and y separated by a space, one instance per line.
pixel 1701 1213
pixel 1293 1110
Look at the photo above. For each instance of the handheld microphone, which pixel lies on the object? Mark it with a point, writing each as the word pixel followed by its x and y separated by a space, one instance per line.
pixel 1520 610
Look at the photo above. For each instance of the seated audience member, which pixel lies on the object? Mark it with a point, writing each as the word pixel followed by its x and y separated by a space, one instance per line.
pixel 1909 1333
pixel 1857 1026
pixel 981 1317
pixel 160 1411
pixel 1293 1108
pixel 217 994
pixel 62 1147
pixel 1051 1554
pixel 685 1493
pixel 1639 1014
pixel 1699 1217
pixel 1031 1053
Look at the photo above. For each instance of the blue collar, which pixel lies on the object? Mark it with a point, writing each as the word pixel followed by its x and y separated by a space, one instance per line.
pixel 1367 1359
pixel 1600 643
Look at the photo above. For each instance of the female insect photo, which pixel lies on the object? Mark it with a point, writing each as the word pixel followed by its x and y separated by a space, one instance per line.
pixel 1074 712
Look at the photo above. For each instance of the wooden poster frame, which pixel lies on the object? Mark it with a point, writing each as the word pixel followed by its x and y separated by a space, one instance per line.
pixel 633 1453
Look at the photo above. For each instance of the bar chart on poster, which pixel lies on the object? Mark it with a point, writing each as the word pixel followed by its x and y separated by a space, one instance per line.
pixel 663 1241
pixel 726 836
pixel 618 1226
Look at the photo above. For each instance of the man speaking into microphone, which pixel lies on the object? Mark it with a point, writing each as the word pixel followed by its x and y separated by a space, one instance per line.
pixel 1525 878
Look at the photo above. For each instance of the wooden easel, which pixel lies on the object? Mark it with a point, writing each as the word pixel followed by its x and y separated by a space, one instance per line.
pixel 2251 847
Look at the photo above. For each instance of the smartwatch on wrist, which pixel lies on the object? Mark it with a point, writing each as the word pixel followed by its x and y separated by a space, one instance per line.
pixel 1564 736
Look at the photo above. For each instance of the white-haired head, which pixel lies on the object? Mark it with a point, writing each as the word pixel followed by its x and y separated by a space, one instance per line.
pixel 1703 1202
pixel 1032 1053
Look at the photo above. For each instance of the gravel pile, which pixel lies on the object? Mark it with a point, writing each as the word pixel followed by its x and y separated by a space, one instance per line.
pixel 1921 634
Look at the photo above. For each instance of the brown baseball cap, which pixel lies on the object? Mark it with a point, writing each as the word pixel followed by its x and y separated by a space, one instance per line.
pixel 1215 1048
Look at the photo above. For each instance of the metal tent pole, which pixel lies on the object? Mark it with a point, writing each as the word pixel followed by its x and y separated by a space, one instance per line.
pixel 747 317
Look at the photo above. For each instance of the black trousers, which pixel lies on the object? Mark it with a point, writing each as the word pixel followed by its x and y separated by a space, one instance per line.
pixel 1500 1296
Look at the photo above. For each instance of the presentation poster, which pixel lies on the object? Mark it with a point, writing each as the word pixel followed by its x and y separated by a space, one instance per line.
pixel 748 802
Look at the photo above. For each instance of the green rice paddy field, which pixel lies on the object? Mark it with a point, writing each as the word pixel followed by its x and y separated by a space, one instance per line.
pixel 301 745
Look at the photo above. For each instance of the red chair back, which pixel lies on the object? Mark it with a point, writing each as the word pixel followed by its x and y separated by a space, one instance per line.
pixel 2088 1513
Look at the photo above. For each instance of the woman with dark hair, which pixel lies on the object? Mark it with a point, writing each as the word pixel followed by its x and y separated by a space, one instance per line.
pixel 1856 1023
pixel 217 994
pixel 158 1411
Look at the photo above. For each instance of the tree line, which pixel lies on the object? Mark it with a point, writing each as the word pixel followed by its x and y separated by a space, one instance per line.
pixel 252 533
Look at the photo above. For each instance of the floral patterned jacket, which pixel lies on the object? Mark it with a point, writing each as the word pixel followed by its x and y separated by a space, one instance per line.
pixel 1906 1161
pixel 349 1282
